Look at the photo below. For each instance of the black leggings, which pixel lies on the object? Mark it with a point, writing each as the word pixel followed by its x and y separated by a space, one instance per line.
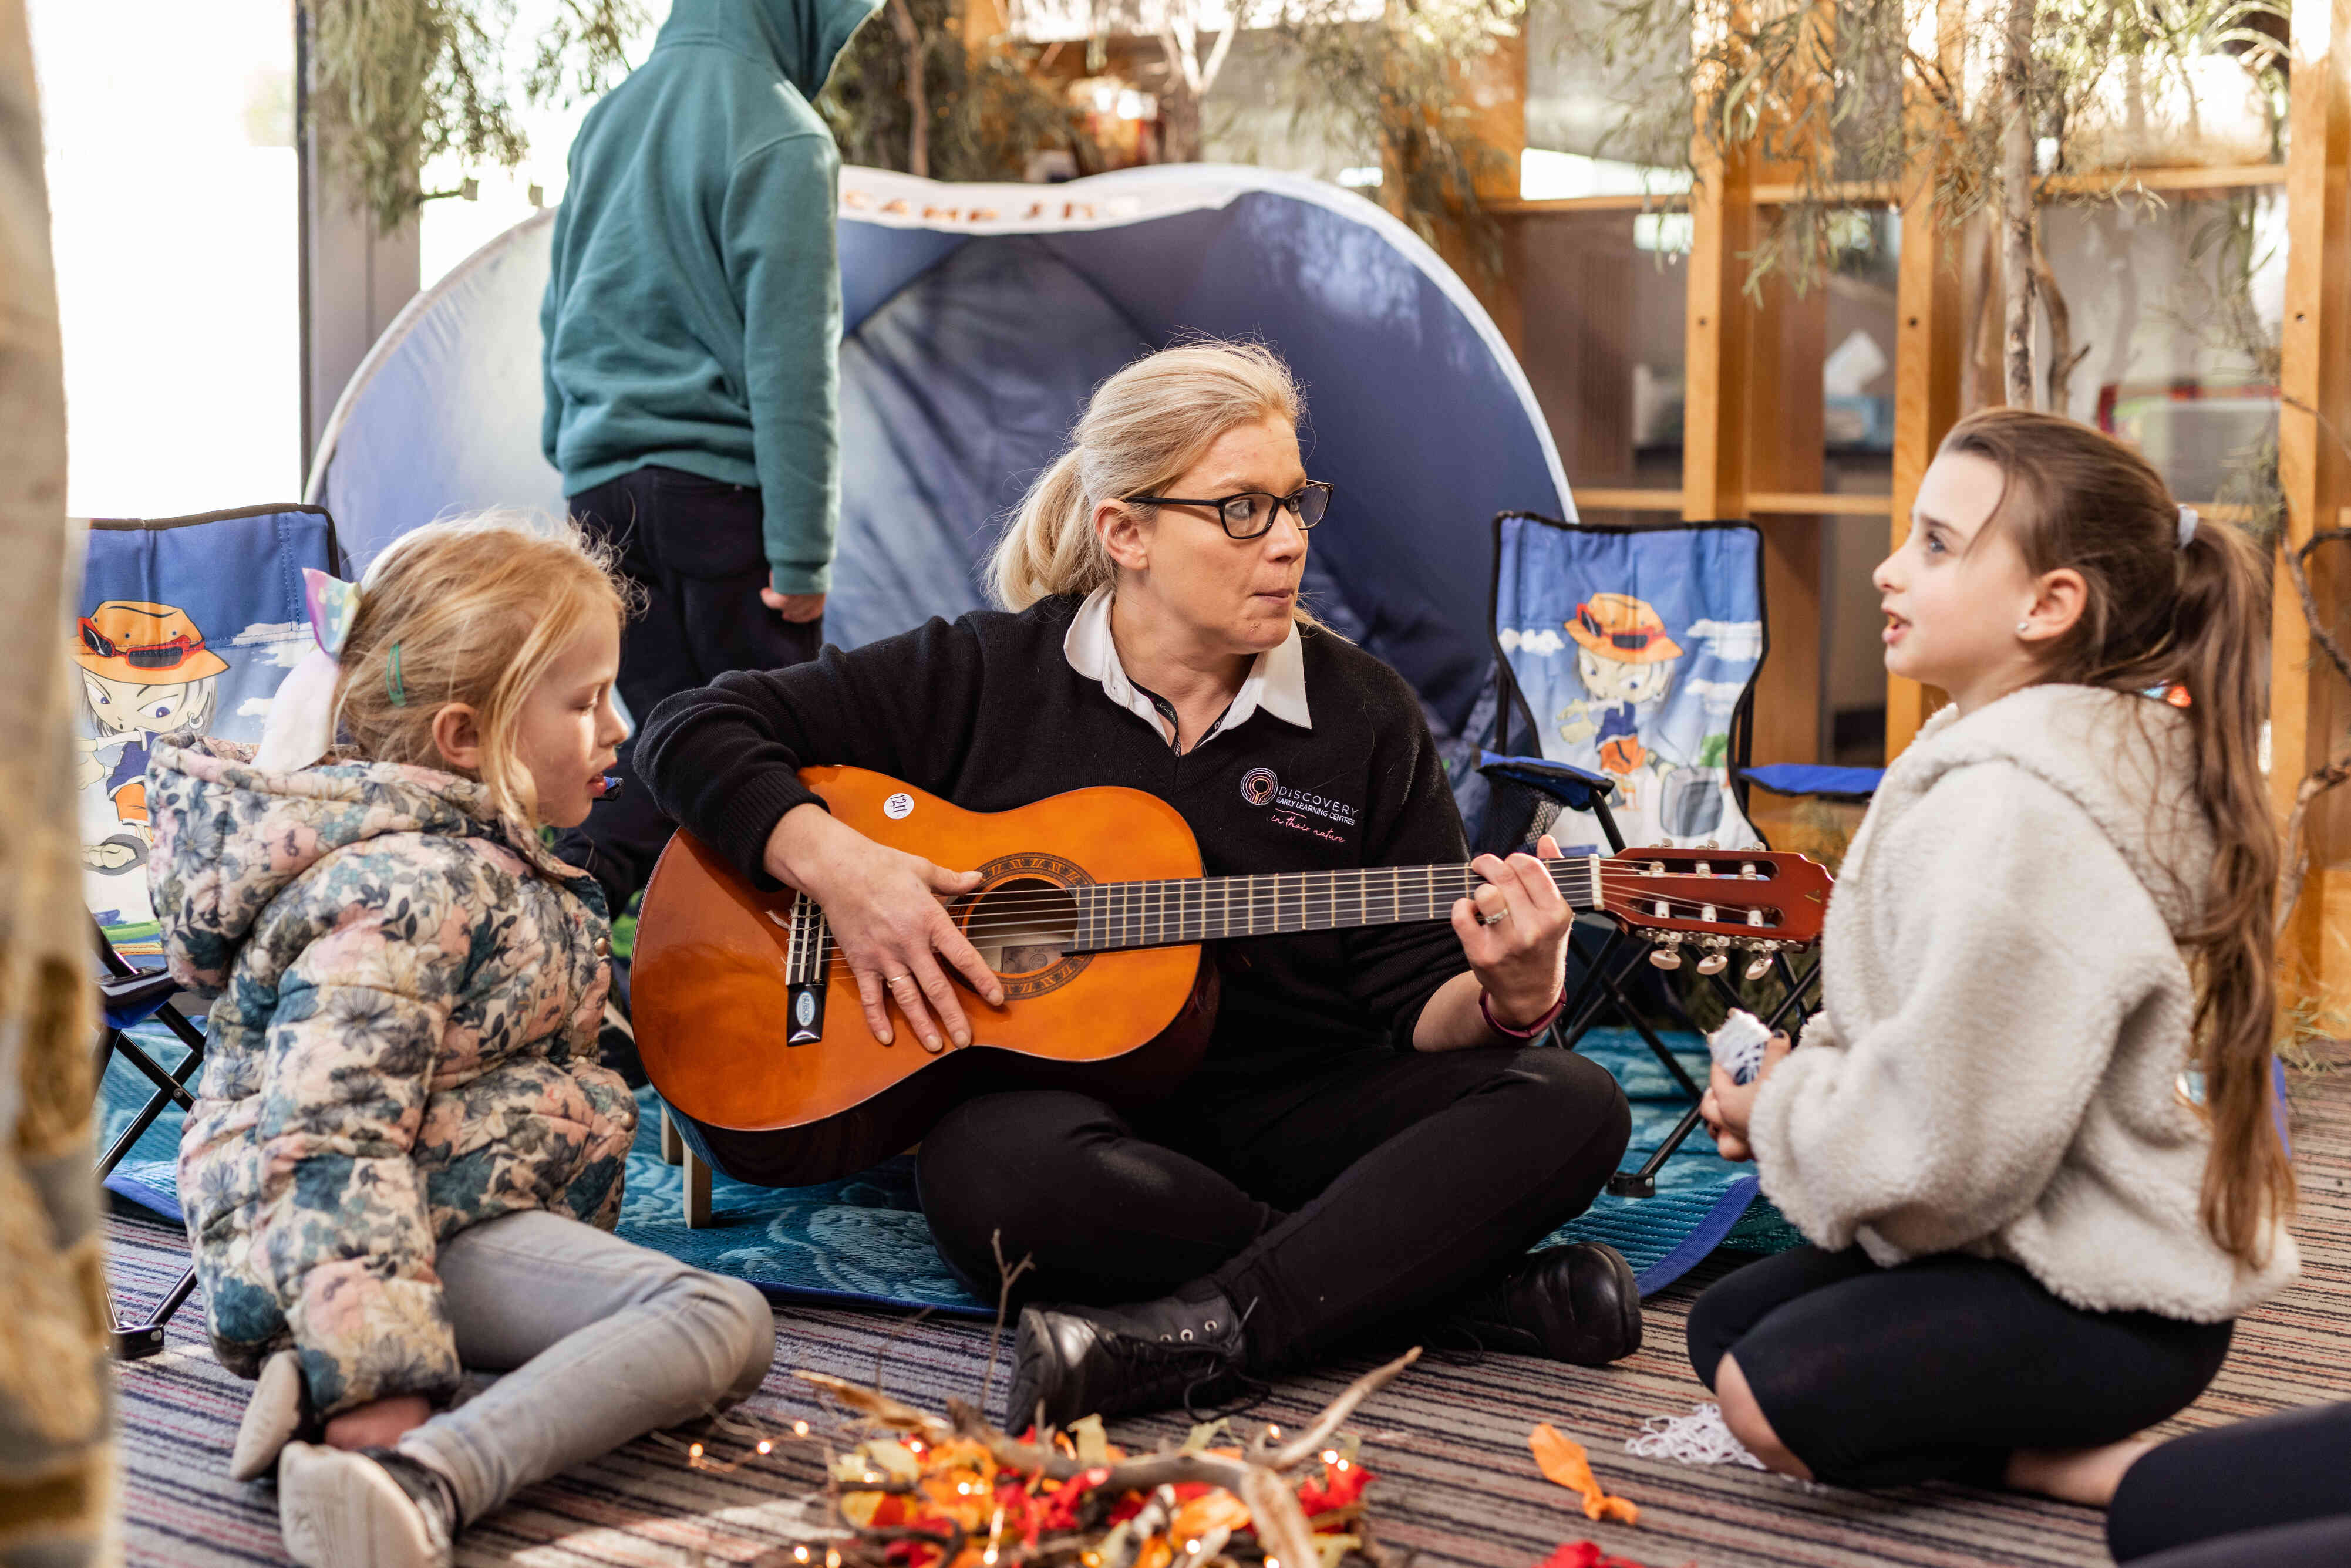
pixel 2272 1493
pixel 1940 1368
pixel 1320 1206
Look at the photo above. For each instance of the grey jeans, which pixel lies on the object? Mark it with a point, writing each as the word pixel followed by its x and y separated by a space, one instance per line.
pixel 600 1340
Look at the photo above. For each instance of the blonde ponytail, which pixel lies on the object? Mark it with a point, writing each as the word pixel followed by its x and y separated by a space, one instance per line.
pixel 1143 427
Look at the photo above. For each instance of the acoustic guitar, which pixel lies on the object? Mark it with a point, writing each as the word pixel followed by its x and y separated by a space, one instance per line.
pixel 1093 910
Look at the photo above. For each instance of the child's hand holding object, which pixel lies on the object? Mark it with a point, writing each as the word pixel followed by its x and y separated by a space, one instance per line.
pixel 1744 1053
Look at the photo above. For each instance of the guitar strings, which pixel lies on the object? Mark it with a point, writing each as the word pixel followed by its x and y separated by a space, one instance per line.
pixel 1688 910
pixel 1219 890
pixel 1153 905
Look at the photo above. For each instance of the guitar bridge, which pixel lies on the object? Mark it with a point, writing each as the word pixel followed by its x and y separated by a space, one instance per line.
pixel 805 958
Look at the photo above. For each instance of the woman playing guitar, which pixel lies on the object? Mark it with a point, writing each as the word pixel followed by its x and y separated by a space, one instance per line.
pixel 1373 1139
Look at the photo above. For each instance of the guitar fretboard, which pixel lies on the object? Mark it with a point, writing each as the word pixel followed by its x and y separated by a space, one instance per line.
pixel 1118 914
pixel 1103 917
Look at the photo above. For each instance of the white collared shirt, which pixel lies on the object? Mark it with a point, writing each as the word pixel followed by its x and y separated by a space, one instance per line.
pixel 1275 682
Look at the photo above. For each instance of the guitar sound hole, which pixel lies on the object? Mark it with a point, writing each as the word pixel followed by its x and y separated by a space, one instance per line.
pixel 1022 925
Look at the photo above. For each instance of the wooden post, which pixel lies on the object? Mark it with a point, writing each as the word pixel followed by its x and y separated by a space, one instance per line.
pixel 1752 421
pixel 2305 701
pixel 1928 350
pixel 697 1192
pixel 1496 86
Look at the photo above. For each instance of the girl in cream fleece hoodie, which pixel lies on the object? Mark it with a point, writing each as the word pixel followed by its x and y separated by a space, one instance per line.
pixel 2027 1240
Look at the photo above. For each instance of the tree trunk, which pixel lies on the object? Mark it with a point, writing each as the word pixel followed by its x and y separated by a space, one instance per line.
pixel 57 1484
pixel 1189 79
pixel 918 95
pixel 2062 355
pixel 1179 123
pixel 2016 199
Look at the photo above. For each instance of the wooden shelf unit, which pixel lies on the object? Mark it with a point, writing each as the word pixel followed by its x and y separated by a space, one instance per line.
pixel 1745 454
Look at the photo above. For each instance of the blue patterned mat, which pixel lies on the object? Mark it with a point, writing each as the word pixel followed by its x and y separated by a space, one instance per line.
pixel 865 1239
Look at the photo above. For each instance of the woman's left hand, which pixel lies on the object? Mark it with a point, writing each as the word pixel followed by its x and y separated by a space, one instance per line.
pixel 1729 1106
pixel 1513 930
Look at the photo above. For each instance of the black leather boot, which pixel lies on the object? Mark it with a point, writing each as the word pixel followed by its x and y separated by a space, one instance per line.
pixel 1105 1360
pixel 1574 1303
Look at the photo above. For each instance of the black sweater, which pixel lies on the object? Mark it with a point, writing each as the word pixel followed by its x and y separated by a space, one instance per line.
pixel 987 713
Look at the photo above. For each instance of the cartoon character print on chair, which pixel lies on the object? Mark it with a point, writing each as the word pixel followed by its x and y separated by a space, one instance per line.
pixel 145 672
pixel 1631 650
pixel 184 624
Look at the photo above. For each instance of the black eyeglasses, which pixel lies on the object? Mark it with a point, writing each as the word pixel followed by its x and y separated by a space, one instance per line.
pixel 1249 514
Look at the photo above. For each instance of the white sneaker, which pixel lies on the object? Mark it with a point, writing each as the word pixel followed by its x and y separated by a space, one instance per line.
pixel 272 1417
pixel 343 1510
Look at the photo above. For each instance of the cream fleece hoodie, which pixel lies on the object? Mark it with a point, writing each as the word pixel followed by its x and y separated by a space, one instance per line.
pixel 1996 1066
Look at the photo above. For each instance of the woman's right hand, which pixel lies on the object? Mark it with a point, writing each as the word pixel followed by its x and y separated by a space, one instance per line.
pixel 883 906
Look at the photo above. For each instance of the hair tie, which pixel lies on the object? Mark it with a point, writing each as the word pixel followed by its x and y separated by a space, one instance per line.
pixel 2186 525
pixel 392 688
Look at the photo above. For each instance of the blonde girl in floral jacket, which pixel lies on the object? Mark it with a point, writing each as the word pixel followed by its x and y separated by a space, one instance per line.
pixel 405 1159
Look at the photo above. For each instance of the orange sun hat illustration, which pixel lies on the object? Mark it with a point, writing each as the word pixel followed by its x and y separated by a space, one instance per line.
pixel 143 645
pixel 1620 627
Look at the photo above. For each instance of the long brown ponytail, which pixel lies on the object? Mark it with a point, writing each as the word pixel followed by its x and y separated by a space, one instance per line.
pixel 2160 614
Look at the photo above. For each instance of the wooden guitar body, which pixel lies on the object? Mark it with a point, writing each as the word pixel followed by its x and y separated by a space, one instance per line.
pixel 712 1010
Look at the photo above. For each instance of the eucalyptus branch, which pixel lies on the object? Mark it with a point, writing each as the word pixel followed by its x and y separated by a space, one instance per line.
pixel 398 84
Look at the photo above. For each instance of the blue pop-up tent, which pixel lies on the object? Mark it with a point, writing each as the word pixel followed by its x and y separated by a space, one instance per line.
pixel 977 319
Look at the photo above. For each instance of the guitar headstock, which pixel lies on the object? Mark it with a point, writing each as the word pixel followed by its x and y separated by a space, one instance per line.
pixel 1715 900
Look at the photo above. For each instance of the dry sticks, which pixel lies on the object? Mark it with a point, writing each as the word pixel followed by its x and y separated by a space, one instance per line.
pixel 1265 1493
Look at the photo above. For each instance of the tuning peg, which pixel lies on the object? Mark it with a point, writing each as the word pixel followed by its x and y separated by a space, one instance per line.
pixel 1712 964
pixel 1666 959
pixel 1758 965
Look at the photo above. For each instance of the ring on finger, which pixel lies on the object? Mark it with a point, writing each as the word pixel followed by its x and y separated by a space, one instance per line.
pixel 893 979
pixel 1495 919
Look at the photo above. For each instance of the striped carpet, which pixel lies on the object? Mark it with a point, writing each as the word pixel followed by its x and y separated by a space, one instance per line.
pixel 1448 1442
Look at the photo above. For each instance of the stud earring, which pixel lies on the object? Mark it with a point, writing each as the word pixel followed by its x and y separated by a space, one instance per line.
pixel 2023 627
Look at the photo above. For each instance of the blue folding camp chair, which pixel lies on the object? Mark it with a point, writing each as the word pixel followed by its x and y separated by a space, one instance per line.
pixel 183 624
pixel 1625 660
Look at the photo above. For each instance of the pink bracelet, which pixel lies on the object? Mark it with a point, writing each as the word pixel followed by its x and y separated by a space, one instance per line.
pixel 1532 1030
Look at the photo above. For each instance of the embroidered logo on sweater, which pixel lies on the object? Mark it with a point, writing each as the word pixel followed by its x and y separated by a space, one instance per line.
pixel 1261 786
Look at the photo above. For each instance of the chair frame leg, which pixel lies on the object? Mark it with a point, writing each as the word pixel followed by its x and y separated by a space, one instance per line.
pixel 1643 1181
pixel 137 1340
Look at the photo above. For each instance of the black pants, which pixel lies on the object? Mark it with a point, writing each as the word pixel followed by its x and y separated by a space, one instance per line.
pixel 695 549
pixel 1322 1207
pixel 1940 1368
pixel 2272 1493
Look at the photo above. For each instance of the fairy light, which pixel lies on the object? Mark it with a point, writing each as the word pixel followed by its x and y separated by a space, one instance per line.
pixel 914 1445
pixel 832 1557
pixel 1274 1432
pixel 766 1447
pixel 799 1553
pixel 694 1450
pixel 1343 1464
pixel 799 1429
pixel 1330 1456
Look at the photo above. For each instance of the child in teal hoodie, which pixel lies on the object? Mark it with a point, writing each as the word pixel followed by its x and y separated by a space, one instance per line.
pixel 693 326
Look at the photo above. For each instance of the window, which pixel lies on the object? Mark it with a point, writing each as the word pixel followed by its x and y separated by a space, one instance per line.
pixel 169 130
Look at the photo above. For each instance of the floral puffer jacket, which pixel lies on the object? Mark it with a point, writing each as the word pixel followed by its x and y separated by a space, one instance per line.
pixel 403 1044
